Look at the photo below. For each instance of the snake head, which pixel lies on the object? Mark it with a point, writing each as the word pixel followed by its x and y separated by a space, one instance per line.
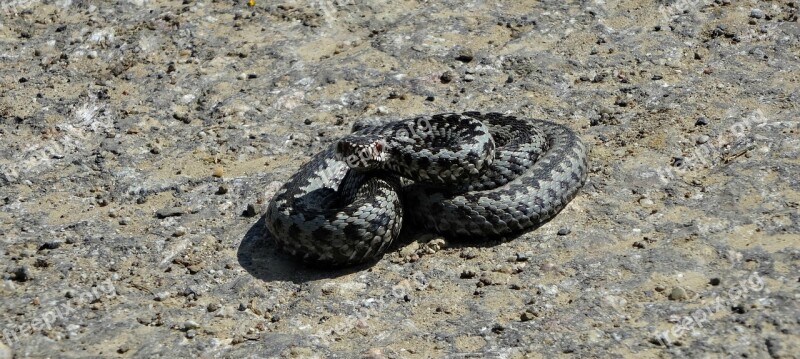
pixel 362 151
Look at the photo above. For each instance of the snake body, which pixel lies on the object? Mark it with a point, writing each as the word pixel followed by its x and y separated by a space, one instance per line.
pixel 478 175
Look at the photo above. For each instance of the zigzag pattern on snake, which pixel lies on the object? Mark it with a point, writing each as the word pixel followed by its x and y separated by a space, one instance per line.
pixel 460 175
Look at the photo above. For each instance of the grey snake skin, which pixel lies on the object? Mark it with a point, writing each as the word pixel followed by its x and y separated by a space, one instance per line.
pixel 468 175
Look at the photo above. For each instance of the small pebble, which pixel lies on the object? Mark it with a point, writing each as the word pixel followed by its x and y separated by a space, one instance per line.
pixel 50 245
pixel 528 315
pixel 714 281
pixel 22 274
pixel 468 273
pixel 181 116
pixel 191 334
pixel 702 139
pixel 124 348
pixel 218 172
pixel 212 307
pixel 179 232
pixel 194 268
pixel 446 77
pixel 469 78
pixel 524 257
pixel 436 244
pixel 505 268
pixel 678 293
pixel 756 13
pixel 124 221
pixel 169 212
pixel 250 211
pixel 190 324
pixel 490 278
pixel 160 297
pixel 776 349
pixel 702 121
pixel 564 231
pixel 410 249
pixel 465 55
pixel 223 189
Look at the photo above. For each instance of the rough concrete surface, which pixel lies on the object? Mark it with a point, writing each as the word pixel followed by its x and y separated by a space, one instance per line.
pixel 142 139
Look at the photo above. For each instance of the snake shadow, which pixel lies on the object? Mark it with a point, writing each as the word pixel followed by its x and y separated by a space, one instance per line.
pixel 259 255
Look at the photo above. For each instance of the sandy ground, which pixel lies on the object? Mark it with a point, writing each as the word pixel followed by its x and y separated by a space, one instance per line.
pixel 142 139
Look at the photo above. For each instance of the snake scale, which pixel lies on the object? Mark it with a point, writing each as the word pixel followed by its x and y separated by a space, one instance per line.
pixel 475 175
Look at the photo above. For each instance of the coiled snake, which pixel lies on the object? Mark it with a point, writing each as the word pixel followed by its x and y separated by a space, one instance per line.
pixel 460 175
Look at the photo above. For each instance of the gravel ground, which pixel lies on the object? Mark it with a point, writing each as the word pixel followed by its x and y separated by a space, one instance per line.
pixel 142 139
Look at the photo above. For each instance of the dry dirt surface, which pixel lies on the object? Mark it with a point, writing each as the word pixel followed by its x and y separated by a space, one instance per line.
pixel 142 140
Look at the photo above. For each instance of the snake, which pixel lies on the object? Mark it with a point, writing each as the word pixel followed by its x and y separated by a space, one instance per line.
pixel 460 175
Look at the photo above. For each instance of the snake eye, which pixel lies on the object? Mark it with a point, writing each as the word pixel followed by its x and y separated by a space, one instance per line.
pixel 378 146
